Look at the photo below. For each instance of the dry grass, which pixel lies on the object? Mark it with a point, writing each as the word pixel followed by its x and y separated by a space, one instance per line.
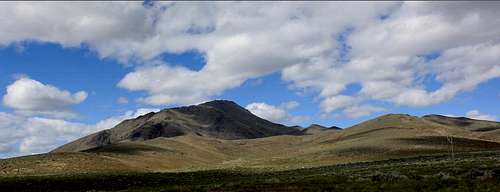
pixel 389 136
pixel 61 163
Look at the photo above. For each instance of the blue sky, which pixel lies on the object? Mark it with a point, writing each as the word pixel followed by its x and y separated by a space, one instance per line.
pixel 77 69
pixel 293 63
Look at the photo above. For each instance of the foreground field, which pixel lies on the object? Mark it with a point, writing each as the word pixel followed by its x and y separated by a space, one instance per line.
pixel 473 171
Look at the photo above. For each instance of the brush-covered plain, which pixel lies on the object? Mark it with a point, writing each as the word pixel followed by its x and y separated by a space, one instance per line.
pixel 470 171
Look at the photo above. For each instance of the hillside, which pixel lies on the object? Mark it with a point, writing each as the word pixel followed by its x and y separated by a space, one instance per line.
pixel 464 123
pixel 315 129
pixel 216 119
pixel 223 135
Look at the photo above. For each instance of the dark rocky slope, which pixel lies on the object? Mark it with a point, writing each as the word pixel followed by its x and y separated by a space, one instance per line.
pixel 218 119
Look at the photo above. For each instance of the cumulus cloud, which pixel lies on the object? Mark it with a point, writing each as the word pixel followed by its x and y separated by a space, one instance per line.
pixel 475 114
pixel 463 62
pixel 102 26
pixel 173 85
pixel 350 106
pixel 240 40
pixel 23 135
pixel 266 111
pixel 337 102
pixel 326 46
pixel 389 58
pixel 31 97
pixel 278 114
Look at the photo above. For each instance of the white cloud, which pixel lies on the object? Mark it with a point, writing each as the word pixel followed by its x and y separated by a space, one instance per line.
pixel 337 102
pixel 276 114
pixel 475 114
pixel 30 97
pixel 266 111
pixel 102 26
pixel 387 60
pixel 459 69
pixel 173 84
pixel 242 41
pixel 466 60
pixel 31 135
pixel 350 106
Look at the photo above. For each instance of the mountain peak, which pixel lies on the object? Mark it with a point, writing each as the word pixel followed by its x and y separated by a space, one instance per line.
pixel 220 103
pixel 396 115
pixel 224 105
pixel 316 126
pixel 220 119
pixel 335 127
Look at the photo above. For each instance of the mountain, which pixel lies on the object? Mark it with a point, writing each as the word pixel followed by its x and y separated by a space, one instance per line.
pixel 464 123
pixel 315 129
pixel 216 119
pixel 335 128
pixel 222 135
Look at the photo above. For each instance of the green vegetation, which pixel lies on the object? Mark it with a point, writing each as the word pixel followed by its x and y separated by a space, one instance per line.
pixel 473 171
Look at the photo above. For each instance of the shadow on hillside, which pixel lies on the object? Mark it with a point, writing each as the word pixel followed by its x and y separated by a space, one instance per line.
pixel 457 142
pixel 129 149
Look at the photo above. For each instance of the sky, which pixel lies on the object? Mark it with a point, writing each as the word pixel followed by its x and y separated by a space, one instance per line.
pixel 68 69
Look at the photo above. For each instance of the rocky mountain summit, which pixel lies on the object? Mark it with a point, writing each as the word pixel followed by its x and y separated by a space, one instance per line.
pixel 216 119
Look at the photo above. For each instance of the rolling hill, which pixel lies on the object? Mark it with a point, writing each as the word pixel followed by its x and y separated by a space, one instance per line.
pixel 315 129
pixel 223 135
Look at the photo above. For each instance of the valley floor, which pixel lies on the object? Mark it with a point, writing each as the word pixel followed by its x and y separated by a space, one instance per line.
pixel 467 171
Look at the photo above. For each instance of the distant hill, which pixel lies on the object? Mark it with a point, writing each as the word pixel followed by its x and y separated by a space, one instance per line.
pixel 465 123
pixel 217 119
pixel 315 129
pixel 221 134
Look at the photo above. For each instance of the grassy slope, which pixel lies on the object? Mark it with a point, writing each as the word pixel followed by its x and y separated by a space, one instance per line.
pixel 61 163
pixel 389 136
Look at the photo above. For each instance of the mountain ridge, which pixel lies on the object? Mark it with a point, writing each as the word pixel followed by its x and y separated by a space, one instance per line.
pixel 223 119
pixel 464 122
pixel 316 128
pixel 198 141
pixel 220 119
